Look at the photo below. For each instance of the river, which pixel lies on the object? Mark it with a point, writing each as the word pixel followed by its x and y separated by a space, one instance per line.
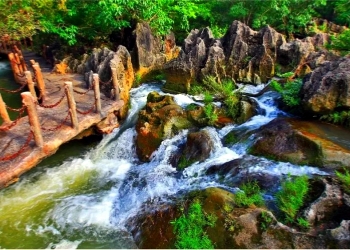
pixel 83 196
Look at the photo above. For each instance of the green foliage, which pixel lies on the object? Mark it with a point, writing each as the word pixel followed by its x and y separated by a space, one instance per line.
pixel 341 42
pixel 338 117
pixel 249 194
pixel 208 98
pixel 345 180
pixel 184 162
pixel 285 75
pixel 137 80
pixel 230 138
pixel 265 220
pixel 289 91
pixel 190 228
pixel 210 113
pixel 292 195
pixel 303 223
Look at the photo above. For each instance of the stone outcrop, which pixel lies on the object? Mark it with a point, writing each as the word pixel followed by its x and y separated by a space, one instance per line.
pixel 326 208
pixel 125 76
pixel 150 52
pixel 327 88
pixel 300 142
pixel 242 54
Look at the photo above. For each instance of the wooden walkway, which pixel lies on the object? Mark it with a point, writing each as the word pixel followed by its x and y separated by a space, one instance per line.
pixel 19 147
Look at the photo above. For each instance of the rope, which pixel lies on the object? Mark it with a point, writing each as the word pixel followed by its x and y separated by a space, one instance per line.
pixel 86 112
pixel 13 91
pixel 16 110
pixel 108 82
pixel 52 105
pixel 14 122
pixel 58 126
pixel 84 93
pixel 13 156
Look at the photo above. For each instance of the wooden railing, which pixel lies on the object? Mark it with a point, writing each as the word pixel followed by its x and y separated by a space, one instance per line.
pixel 31 102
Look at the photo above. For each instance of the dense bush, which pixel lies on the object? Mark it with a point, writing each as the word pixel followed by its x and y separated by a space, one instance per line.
pixel 291 196
pixel 190 228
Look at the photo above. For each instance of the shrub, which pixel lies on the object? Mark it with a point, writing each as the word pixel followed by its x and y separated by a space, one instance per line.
pixel 210 113
pixel 289 91
pixel 189 229
pixel 345 180
pixel 265 220
pixel 341 42
pixel 292 195
pixel 338 117
pixel 250 194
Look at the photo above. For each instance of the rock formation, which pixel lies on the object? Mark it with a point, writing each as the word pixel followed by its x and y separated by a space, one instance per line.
pixel 299 142
pixel 327 88
pixel 243 55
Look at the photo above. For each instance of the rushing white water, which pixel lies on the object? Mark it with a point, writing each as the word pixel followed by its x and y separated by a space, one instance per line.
pixel 87 201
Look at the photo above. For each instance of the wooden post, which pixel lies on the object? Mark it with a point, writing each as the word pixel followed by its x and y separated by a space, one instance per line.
pixel 32 61
pixel 31 84
pixel 28 101
pixel 72 105
pixel 14 66
pixel 40 80
pixel 97 94
pixel 115 84
pixel 3 111
pixel 23 63
pixel 18 61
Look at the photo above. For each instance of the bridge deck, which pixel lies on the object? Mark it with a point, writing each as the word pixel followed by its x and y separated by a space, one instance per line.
pixel 14 139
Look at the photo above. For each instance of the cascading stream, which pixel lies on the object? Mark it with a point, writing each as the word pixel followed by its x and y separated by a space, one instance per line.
pixel 86 202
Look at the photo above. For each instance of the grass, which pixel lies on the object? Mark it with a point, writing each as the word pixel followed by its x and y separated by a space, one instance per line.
pixel 249 194
pixel 265 220
pixel 292 195
pixel 338 117
pixel 190 228
pixel 344 179
pixel 303 223
pixel 210 113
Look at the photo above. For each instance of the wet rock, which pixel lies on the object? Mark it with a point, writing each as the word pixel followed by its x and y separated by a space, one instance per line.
pixel 234 228
pixel 198 147
pixel 161 118
pixel 329 209
pixel 327 88
pixel 299 142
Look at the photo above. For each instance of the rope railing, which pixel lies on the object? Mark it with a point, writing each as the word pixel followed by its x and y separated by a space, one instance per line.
pixel 88 111
pixel 31 103
pixel 13 123
pixel 52 105
pixel 59 125
pixel 13 91
pixel 84 93
pixel 15 155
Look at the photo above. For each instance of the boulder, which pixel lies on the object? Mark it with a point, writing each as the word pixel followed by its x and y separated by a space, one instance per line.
pixel 198 147
pixel 327 88
pixel 301 142
pixel 161 118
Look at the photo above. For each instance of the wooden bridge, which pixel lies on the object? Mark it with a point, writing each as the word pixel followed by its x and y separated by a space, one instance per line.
pixel 65 108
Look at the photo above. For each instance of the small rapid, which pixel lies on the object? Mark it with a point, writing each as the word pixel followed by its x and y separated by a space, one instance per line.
pixel 87 201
